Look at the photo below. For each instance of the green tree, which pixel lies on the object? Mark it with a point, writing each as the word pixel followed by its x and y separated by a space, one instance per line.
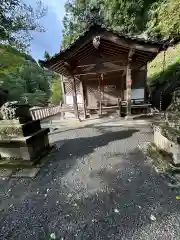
pixel 24 78
pixel 46 55
pixel 164 20
pixel 129 17
pixel 18 20
pixel 77 18
pixel 56 91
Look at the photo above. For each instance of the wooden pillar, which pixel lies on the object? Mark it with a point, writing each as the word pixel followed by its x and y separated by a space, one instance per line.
pixel 74 93
pixel 129 81
pixel 83 98
pixel 128 88
pixel 146 95
pixel 122 88
pixel 73 83
pixel 100 97
pixel 63 89
pixel 64 96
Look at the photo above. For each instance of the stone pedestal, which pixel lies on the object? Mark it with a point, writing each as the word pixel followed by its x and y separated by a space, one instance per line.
pixel 22 141
pixel 167 132
pixel 168 144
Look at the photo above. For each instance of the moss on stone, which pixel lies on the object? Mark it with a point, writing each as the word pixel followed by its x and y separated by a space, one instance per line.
pixel 169 132
pixel 10 131
pixel 160 159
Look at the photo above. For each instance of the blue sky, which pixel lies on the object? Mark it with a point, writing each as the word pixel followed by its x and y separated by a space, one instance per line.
pixel 52 22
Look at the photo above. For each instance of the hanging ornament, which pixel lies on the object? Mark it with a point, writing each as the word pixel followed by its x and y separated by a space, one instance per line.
pixel 96 41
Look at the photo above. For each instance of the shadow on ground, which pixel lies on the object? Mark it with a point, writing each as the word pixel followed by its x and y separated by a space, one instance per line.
pixel 120 209
pixel 88 145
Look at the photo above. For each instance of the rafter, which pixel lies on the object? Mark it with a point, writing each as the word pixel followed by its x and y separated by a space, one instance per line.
pixel 128 43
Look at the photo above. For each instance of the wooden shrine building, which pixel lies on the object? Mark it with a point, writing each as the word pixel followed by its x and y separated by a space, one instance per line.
pixel 103 69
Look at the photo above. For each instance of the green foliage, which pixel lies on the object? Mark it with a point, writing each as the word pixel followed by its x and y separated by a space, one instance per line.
pixel 56 95
pixel 160 71
pixel 165 20
pixel 148 18
pixel 18 20
pixel 73 21
pixel 24 78
pixel 46 55
pixel 129 17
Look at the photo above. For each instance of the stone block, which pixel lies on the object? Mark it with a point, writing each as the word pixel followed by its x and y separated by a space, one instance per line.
pixel 167 145
pixel 25 148
pixel 26 172
pixel 13 128
pixel 15 110
pixel 5 173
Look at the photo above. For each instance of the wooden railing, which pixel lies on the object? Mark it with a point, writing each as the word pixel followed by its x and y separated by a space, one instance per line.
pixel 44 112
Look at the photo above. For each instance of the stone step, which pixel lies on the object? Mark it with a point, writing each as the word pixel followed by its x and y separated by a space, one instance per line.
pixel 20 163
pixel 25 148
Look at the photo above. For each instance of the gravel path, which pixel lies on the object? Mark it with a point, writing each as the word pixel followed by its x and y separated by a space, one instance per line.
pixel 97 186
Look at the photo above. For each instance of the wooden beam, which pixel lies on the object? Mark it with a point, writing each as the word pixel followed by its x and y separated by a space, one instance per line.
pixel 95 70
pixel 102 64
pixel 105 70
pixel 127 43
pixel 119 58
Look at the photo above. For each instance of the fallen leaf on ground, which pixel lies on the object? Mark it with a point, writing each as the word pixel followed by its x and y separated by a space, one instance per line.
pixel 53 236
pixel 152 217
pixel 94 220
pixel 116 210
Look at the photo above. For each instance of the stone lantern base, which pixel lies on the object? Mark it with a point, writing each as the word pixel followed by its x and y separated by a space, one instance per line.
pixel 22 142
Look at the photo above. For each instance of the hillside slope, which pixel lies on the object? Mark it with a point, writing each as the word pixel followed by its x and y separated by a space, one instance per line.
pixel 156 75
pixel 25 80
pixel 165 81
